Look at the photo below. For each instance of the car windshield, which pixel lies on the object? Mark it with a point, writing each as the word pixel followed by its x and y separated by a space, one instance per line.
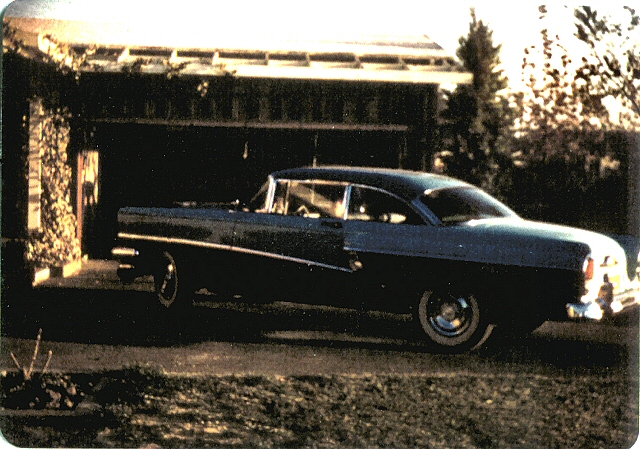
pixel 461 204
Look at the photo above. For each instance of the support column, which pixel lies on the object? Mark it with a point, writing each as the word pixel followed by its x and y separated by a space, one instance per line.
pixel 422 112
pixel 34 216
pixel 633 183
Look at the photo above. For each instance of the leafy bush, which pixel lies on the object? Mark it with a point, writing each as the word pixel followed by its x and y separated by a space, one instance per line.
pixel 57 242
pixel 51 391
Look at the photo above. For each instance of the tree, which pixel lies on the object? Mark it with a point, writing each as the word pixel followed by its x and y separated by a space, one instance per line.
pixel 562 135
pixel 613 64
pixel 477 117
pixel 557 107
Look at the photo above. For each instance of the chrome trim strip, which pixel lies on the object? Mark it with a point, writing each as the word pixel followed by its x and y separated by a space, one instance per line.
pixel 153 238
pixel 271 192
pixel 125 266
pixel 289 258
pixel 238 249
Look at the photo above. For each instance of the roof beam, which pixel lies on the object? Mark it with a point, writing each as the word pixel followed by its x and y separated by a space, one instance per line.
pixel 311 126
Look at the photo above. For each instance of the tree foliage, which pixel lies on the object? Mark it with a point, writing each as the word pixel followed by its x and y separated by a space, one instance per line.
pixel 556 109
pixel 477 117
pixel 571 161
pixel 613 64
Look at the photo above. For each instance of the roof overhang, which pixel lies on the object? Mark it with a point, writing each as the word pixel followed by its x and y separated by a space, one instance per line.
pixel 278 64
pixel 385 59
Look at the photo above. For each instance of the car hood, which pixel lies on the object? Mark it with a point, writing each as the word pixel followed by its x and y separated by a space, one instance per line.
pixel 504 241
pixel 534 230
pixel 541 244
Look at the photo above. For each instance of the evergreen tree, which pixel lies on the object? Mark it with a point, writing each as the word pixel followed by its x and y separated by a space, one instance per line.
pixel 477 117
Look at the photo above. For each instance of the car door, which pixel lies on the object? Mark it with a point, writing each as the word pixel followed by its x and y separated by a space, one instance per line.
pixel 384 236
pixel 298 241
pixel 381 223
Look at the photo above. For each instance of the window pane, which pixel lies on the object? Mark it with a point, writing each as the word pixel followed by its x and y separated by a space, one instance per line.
pixel 373 205
pixel 309 199
pixel 280 198
pixel 315 200
pixel 259 201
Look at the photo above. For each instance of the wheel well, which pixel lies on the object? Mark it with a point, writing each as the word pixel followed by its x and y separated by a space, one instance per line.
pixel 504 290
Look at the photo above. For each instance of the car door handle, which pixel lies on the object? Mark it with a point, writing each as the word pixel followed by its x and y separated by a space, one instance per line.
pixel 332 224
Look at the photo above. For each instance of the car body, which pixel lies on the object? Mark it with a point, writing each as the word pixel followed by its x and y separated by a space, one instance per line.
pixel 408 242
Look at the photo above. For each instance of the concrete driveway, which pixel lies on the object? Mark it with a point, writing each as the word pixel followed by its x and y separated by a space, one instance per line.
pixel 91 322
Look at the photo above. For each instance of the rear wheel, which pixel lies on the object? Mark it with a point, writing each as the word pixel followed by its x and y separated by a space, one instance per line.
pixel 452 321
pixel 171 284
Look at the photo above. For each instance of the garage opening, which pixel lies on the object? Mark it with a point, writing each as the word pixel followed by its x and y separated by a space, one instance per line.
pixel 158 165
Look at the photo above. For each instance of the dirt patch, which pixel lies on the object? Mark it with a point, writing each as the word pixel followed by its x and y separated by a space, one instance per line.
pixel 139 407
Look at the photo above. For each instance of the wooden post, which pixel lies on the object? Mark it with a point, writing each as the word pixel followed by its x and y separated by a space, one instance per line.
pixel 421 114
pixel 633 182
pixel 34 213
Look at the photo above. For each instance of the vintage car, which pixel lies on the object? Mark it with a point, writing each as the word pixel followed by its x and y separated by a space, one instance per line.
pixel 406 242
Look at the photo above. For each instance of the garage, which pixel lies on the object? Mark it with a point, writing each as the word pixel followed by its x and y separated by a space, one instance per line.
pixel 158 125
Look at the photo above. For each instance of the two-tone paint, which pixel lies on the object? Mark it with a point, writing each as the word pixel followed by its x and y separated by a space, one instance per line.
pixel 522 269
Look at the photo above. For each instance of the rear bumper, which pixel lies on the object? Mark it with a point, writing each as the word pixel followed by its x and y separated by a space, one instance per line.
pixel 123 252
pixel 128 268
pixel 600 309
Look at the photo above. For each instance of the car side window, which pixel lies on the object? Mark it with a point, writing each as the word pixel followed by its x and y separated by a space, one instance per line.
pixel 367 204
pixel 309 199
pixel 258 203
pixel 280 198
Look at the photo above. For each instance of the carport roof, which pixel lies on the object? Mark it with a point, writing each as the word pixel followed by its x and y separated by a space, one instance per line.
pixel 94 47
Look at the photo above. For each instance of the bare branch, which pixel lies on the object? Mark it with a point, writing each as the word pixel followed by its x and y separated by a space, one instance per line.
pixel 46 365
pixel 15 360
pixel 613 66
pixel 35 352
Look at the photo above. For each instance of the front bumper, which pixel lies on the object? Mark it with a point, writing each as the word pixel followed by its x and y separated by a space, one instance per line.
pixel 600 309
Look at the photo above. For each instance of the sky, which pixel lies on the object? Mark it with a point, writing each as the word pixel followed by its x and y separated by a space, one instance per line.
pixel 515 25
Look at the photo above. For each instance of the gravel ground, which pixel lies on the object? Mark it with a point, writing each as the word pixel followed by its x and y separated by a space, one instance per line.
pixel 142 408
pixel 387 411
pixel 566 386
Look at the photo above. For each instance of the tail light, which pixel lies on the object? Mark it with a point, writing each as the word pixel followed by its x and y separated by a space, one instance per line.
pixel 587 268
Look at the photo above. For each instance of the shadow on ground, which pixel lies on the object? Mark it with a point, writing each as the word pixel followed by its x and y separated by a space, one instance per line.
pixel 133 318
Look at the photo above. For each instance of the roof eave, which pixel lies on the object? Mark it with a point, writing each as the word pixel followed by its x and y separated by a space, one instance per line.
pixel 433 76
pixel 361 64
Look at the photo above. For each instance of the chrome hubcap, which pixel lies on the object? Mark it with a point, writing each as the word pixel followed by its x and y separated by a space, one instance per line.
pixel 450 316
pixel 168 278
pixel 166 284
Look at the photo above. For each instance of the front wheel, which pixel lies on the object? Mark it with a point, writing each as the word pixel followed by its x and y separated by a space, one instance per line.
pixel 452 322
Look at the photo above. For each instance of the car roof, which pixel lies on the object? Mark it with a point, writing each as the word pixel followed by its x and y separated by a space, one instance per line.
pixel 403 183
